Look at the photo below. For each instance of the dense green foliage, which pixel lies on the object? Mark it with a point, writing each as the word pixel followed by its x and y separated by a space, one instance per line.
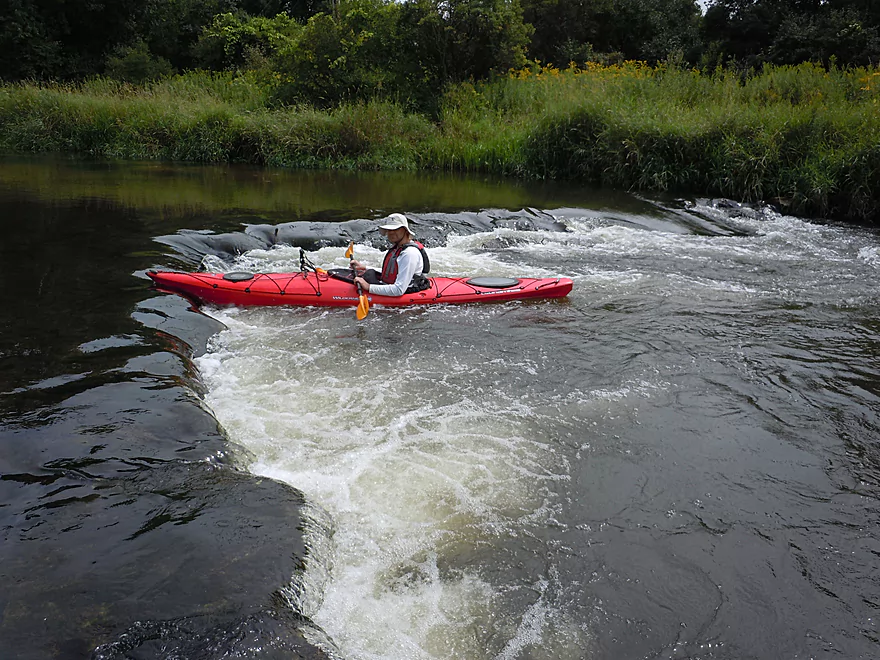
pixel 415 42
pixel 751 32
pixel 326 52
pixel 803 137
pixel 651 30
pixel 235 41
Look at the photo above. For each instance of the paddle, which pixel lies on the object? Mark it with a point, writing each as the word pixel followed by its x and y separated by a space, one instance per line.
pixel 363 304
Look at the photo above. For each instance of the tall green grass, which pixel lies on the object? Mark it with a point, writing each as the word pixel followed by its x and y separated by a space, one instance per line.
pixel 202 117
pixel 802 137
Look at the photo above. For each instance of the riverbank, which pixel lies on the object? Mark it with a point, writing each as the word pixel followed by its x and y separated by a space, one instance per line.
pixel 800 137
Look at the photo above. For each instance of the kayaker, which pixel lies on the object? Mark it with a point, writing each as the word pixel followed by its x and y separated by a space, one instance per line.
pixel 404 266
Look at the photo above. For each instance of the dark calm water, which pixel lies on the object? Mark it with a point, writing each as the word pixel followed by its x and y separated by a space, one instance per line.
pixel 680 460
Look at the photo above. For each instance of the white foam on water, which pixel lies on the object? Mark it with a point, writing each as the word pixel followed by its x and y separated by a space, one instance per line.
pixel 640 388
pixel 803 257
pixel 421 475
pixel 870 255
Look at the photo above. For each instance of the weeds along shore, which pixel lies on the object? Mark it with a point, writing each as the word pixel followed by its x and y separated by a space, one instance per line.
pixel 802 137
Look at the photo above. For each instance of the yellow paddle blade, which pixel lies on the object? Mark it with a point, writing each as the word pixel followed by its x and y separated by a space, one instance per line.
pixel 363 307
pixel 350 250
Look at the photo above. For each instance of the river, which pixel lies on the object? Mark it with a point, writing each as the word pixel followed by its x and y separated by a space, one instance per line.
pixel 679 460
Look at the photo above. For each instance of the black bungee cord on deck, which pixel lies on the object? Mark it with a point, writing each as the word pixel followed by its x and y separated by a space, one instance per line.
pixel 305 267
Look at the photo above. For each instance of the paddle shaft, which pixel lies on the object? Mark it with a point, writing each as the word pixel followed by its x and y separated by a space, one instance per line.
pixel 363 307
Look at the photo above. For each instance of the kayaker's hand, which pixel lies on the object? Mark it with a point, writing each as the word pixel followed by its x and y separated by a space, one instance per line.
pixel 357 265
pixel 364 284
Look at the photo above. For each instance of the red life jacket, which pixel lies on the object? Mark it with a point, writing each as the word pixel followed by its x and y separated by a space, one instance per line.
pixel 389 266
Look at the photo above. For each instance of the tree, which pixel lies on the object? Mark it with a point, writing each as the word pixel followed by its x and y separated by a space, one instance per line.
pixel 457 40
pixel 64 38
pixel 485 36
pixel 652 30
pixel 751 32
pixel 234 41
pixel 299 9
pixel 740 30
pixel 343 56
pixel 172 27
pixel 70 39
pixel 27 47
pixel 407 52
pixel 575 30
pixel 136 64
pixel 567 30
pixel 823 35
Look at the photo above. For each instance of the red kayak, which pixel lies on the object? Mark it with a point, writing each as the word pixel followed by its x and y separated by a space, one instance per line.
pixel 323 289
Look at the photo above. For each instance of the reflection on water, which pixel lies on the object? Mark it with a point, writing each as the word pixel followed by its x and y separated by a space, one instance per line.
pixel 255 195
pixel 679 460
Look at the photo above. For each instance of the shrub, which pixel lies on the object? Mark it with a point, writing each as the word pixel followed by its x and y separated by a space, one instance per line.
pixel 136 64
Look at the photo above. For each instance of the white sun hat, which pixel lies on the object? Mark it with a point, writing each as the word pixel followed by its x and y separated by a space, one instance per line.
pixel 396 221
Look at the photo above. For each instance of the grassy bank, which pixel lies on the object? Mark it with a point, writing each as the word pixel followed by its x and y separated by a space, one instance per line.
pixel 801 137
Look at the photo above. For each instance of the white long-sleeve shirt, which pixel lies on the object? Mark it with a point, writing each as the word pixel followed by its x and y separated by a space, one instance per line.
pixel 409 262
